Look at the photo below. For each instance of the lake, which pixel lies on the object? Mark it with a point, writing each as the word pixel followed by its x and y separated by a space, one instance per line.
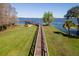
pixel 58 23
pixel 34 20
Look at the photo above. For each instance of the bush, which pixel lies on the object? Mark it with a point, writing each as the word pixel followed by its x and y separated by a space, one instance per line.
pixel 13 24
pixel 4 27
pixel 0 28
pixel 45 24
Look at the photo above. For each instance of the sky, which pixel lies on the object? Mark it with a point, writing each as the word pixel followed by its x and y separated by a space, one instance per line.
pixel 36 10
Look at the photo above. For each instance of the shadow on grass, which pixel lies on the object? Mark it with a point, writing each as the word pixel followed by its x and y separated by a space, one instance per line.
pixel 66 35
pixel 32 49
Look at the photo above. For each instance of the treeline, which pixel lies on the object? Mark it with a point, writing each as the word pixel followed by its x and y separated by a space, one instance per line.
pixel 7 15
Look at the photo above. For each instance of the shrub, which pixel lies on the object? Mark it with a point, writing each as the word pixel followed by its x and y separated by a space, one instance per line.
pixel 0 28
pixel 4 27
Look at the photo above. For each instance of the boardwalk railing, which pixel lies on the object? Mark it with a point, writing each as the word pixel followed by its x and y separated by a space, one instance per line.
pixel 38 43
pixel 41 46
pixel 43 43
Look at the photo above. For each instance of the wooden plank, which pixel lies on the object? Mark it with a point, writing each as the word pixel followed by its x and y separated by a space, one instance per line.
pixel 38 43
pixel 44 43
pixel 41 45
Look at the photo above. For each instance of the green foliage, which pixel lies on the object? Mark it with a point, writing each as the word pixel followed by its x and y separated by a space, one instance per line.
pixel 45 24
pixel 73 12
pixel 48 18
pixel 68 23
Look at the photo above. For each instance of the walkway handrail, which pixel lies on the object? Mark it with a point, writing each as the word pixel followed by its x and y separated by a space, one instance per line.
pixel 41 46
pixel 38 43
pixel 45 49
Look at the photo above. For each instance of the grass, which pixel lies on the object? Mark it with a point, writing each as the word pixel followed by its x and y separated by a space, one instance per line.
pixel 60 44
pixel 16 41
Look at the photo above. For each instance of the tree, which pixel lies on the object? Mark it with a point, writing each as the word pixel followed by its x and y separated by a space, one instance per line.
pixel 74 13
pixel 47 18
pixel 68 24
pixel 7 15
pixel 13 16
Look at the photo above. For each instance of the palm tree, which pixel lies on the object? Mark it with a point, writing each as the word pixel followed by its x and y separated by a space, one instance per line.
pixel 47 18
pixel 68 24
pixel 74 13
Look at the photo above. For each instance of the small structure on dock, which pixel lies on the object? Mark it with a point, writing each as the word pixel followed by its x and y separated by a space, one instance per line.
pixel 28 23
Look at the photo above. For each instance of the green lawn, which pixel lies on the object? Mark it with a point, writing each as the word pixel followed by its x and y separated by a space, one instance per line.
pixel 59 44
pixel 16 41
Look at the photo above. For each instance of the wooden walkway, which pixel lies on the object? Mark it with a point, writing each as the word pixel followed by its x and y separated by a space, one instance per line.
pixel 41 47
